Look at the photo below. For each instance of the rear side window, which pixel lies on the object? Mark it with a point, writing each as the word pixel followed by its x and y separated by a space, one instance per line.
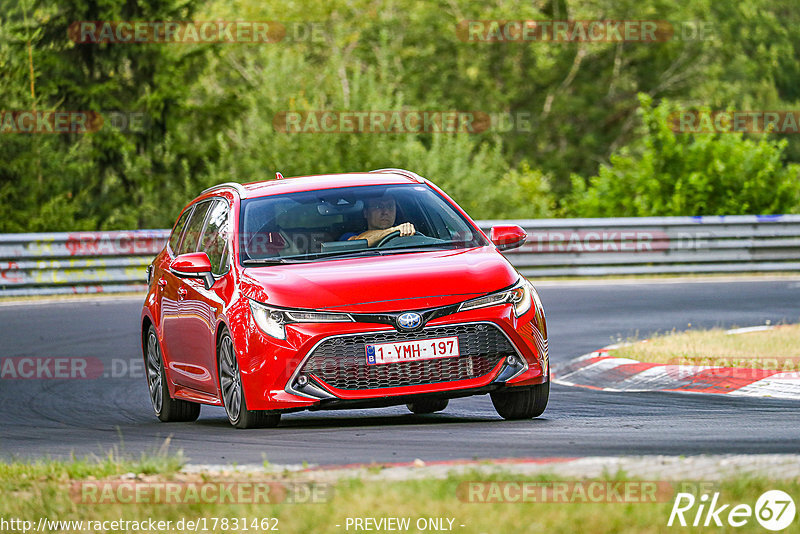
pixel 176 232
pixel 215 237
pixel 194 228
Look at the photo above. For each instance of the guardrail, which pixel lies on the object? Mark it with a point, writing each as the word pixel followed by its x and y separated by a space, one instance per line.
pixel 104 262
pixel 77 262
pixel 657 245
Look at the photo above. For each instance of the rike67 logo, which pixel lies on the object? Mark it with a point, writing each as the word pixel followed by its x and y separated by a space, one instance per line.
pixel 774 510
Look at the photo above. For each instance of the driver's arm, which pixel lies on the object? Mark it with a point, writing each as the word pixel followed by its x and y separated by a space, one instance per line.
pixel 374 237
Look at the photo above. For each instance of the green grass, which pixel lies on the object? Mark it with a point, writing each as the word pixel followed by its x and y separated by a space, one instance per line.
pixel 33 490
pixel 26 472
pixel 773 349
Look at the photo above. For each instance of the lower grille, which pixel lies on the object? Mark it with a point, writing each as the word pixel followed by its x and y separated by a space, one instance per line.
pixel 341 361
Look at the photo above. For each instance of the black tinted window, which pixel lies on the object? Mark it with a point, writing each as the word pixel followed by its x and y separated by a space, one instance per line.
pixel 215 236
pixel 194 228
pixel 175 237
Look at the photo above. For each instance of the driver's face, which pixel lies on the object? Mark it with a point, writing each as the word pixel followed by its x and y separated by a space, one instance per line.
pixel 380 213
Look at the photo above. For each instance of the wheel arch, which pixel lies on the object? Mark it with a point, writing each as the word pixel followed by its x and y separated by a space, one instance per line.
pixel 222 326
pixel 146 324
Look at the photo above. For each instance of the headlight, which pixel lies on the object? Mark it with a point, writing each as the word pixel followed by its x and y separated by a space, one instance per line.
pixel 268 320
pixel 271 321
pixel 523 301
pixel 519 296
pixel 316 317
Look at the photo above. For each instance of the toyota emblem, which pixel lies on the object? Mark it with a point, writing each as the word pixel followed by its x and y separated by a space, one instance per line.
pixel 409 320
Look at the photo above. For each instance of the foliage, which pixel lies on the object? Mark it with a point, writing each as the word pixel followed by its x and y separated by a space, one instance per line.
pixel 669 173
pixel 209 108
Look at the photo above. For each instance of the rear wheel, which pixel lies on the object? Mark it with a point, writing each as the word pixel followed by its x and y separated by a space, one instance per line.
pixel 521 403
pixel 167 409
pixel 427 406
pixel 230 382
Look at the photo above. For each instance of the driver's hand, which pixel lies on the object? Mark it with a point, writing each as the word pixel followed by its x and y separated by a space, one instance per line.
pixel 405 229
pixel 374 237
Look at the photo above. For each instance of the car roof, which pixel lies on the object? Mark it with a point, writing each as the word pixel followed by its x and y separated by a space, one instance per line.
pixel 297 184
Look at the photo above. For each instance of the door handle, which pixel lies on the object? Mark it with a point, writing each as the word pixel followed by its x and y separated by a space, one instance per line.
pixel 162 283
pixel 182 293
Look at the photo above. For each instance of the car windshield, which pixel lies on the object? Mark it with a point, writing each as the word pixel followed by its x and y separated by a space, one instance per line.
pixel 350 221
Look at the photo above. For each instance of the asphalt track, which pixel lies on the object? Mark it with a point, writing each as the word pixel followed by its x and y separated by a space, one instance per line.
pixel 59 417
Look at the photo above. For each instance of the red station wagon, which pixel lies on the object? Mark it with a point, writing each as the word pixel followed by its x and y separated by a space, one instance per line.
pixel 338 291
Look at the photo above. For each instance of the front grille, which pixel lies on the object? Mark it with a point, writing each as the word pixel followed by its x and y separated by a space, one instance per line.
pixel 341 361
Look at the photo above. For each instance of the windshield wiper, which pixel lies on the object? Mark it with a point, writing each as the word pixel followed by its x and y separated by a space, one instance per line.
pixel 265 261
pixel 311 257
pixel 426 246
pixel 347 254
pixel 344 254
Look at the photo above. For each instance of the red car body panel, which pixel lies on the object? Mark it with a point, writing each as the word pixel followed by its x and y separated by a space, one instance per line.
pixel 188 317
pixel 404 281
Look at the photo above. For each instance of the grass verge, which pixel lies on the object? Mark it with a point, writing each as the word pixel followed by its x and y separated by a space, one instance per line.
pixel 775 348
pixel 43 489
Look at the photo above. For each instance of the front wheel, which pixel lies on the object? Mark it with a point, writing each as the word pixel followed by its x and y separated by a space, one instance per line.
pixel 167 409
pixel 521 403
pixel 230 382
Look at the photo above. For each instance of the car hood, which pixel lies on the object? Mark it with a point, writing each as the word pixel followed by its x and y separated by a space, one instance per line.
pixel 409 281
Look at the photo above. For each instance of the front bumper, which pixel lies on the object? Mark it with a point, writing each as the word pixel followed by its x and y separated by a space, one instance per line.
pixel 324 365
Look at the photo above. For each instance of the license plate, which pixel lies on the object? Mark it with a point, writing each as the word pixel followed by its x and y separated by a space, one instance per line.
pixel 411 351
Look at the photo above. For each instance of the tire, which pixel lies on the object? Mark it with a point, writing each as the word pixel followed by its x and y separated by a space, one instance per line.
pixel 167 409
pixel 230 387
pixel 521 403
pixel 428 406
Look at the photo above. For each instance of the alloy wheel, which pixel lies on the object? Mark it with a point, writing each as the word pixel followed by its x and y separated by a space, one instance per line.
pixel 154 376
pixel 230 381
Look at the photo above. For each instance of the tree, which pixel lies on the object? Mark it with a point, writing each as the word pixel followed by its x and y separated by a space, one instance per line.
pixel 669 173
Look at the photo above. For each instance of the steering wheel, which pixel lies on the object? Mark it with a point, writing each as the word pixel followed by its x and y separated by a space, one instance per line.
pixel 391 236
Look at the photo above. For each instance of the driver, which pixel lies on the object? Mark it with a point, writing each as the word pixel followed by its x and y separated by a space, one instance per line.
pixel 380 213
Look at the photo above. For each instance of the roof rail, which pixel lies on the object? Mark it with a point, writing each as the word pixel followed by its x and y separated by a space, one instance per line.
pixel 404 172
pixel 237 186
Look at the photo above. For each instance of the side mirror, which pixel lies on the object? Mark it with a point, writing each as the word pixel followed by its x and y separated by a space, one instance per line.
pixel 193 265
pixel 507 236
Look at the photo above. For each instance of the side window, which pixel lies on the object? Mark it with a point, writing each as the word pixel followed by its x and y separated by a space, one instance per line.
pixel 176 232
pixel 215 237
pixel 194 228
